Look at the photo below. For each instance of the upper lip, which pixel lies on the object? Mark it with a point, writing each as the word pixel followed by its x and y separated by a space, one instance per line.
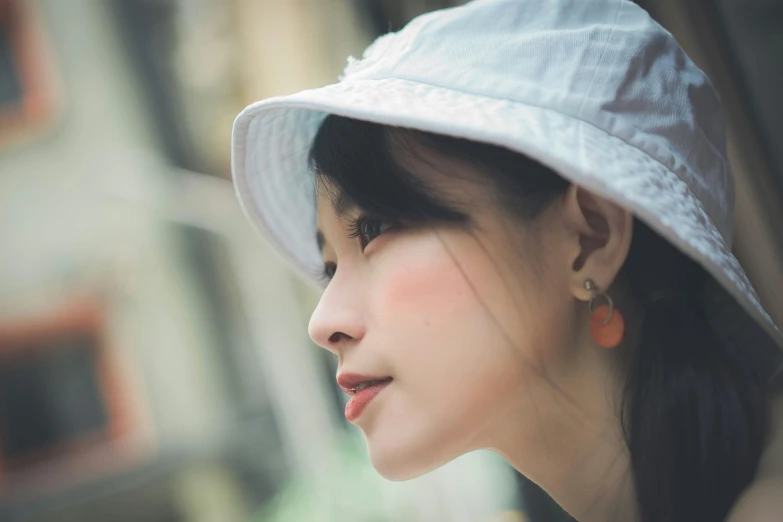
pixel 349 381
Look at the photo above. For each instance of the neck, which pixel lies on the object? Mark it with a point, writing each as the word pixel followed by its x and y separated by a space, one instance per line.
pixel 589 478
pixel 595 483
pixel 574 449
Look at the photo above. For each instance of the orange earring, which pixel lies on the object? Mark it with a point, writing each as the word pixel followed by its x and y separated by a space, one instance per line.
pixel 607 325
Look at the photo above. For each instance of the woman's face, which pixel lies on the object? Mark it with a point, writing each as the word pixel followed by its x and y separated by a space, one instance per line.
pixel 472 322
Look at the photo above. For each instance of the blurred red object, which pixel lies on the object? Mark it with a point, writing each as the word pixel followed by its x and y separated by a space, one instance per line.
pixel 28 86
pixel 61 395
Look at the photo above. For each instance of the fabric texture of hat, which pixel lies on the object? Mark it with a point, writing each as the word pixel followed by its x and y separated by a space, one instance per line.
pixel 594 89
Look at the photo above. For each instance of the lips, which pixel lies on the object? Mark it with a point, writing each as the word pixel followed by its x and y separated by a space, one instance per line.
pixel 349 382
pixel 362 398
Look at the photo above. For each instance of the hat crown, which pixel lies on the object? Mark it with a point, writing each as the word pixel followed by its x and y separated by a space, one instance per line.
pixel 604 62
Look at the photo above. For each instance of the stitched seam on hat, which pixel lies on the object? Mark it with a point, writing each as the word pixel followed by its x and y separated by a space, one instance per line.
pixel 264 108
pixel 600 59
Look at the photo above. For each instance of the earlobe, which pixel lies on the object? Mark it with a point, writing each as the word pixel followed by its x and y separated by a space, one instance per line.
pixel 602 232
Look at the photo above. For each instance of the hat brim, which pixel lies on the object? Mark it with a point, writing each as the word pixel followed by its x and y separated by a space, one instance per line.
pixel 275 186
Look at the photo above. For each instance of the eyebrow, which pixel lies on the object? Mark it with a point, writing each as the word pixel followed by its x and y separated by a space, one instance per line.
pixel 342 204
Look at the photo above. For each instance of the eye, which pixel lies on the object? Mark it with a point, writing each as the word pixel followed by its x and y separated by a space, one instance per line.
pixel 329 270
pixel 367 228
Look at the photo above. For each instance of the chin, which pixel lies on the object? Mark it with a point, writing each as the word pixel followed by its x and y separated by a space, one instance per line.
pixel 397 470
pixel 399 463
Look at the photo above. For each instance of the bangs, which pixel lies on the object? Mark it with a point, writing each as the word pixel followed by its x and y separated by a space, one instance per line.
pixel 358 163
pixel 355 161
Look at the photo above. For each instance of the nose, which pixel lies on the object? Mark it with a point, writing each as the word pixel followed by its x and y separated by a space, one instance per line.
pixel 338 320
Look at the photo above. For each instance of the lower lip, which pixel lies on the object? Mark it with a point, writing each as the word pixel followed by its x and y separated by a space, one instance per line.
pixel 358 402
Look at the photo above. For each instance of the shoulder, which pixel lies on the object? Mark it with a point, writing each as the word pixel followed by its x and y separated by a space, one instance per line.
pixel 761 502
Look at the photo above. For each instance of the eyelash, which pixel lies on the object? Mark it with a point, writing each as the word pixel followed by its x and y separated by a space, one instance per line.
pixel 355 230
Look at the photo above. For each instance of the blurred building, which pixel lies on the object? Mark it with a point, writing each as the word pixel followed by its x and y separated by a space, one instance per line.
pixel 154 359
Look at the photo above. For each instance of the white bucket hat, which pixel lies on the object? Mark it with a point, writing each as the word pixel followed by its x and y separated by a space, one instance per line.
pixel 594 89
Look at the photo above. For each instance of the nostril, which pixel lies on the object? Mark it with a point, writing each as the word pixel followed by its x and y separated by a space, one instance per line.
pixel 335 337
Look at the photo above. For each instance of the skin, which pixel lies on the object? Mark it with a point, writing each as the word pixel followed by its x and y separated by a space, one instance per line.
pixel 484 330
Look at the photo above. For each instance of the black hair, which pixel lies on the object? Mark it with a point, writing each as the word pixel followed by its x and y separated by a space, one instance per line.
pixel 695 405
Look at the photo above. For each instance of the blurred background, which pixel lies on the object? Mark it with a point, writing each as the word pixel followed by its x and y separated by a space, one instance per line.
pixel 154 359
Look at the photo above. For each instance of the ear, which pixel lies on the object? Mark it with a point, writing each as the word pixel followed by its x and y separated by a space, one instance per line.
pixel 600 232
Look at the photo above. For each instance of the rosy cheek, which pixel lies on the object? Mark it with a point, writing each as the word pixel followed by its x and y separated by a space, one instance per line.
pixel 422 284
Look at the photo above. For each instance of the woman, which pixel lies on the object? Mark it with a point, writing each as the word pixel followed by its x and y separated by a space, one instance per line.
pixel 521 214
